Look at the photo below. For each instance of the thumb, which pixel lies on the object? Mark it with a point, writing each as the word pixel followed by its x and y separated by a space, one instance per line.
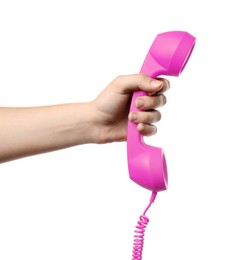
pixel 128 84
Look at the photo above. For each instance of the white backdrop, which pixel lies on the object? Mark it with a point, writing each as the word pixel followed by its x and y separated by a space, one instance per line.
pixel 79 203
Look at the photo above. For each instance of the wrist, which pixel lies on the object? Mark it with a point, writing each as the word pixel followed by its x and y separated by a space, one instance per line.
pixel 84 124
pixel 93 124
pixel 71 124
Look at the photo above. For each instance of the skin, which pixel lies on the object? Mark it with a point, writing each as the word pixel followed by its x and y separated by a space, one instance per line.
pixel 27 131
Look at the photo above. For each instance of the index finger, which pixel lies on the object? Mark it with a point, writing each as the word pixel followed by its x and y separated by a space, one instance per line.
pixel 165 87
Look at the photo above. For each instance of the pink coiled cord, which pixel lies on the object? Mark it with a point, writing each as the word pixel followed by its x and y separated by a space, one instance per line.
pixel 140 230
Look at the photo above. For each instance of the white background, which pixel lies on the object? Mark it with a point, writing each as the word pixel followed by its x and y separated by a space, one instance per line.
pixel 79 203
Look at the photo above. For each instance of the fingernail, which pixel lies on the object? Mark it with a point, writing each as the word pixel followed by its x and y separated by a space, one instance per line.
pixel 133 117
pixel 155 83
pixel 139 103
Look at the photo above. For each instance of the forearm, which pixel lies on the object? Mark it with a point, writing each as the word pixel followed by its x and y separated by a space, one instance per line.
pixel 34 130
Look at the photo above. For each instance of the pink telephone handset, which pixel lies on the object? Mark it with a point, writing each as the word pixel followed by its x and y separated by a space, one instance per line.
pixel 168 55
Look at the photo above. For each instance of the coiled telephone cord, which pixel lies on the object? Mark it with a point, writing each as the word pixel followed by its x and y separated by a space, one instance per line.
pixel 140 232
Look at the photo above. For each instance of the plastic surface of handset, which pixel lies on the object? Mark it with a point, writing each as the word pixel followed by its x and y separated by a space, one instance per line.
pixel 168 55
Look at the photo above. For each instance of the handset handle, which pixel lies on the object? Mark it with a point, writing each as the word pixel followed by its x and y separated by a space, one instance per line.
pixel 142 157
pixel 152 69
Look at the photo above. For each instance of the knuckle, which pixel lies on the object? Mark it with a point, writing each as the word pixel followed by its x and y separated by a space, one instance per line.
pixel 158 115
pixel 153 130
pixel 166 83
pixel 164 100
pixel 160 100
pixel 155 116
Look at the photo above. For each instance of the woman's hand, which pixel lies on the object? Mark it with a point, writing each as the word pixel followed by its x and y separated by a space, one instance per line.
pixel 29 131
pixel 111 107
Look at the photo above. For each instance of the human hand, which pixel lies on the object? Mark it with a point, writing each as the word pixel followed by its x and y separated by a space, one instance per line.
pixel 111 107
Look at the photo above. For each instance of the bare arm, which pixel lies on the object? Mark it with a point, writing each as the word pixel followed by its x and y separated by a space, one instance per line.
pixel 35 130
